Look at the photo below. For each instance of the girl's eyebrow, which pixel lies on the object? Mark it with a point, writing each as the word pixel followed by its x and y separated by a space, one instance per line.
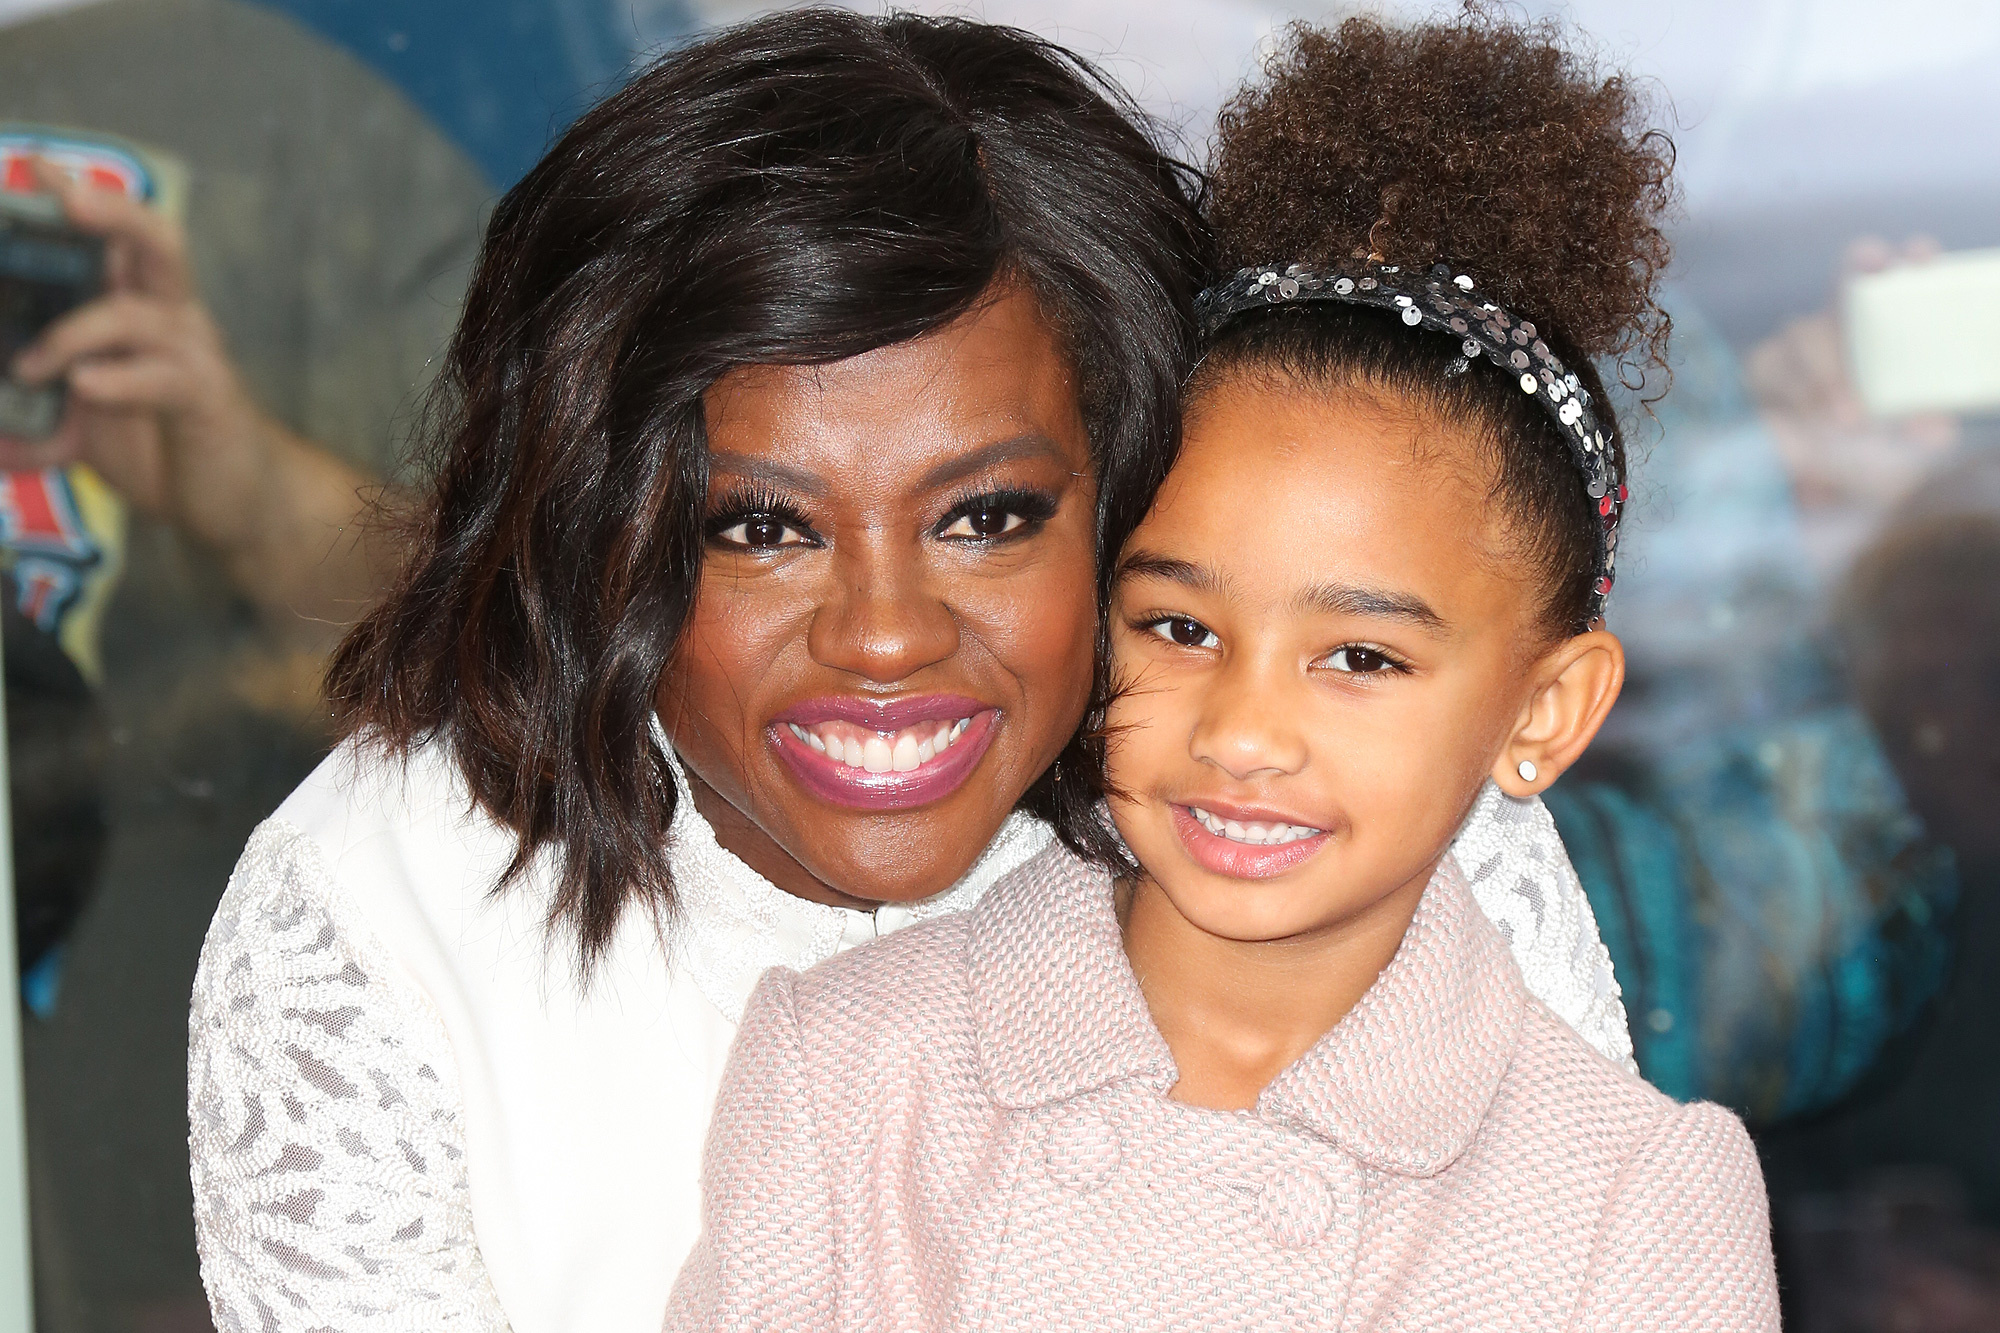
pixel 1337 599
pixel 1147 565
pixel 1345 599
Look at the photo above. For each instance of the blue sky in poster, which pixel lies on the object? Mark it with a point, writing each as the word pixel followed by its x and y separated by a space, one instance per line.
pixel 499 76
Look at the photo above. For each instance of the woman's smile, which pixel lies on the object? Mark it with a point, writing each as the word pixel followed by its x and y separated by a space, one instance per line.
pixel 873 754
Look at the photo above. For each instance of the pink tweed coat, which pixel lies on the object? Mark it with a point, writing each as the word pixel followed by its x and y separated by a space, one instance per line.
pixel 965 1126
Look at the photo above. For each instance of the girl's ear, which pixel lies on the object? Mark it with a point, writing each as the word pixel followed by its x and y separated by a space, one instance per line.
pixel 1576 684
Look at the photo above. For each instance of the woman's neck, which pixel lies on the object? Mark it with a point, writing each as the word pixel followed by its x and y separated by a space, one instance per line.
pixel 1236 1013
pixel 736 833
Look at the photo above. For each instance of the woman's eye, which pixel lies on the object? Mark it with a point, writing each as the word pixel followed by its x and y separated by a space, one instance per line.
pixel 761 532
pixel 985 523
pixel 1359 661
pixel 1185 632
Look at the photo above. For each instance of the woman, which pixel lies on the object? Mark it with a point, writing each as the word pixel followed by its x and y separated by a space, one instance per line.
pixel 797 392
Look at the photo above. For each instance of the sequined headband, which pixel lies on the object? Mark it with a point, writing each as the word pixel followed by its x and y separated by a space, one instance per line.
pixel 1444 303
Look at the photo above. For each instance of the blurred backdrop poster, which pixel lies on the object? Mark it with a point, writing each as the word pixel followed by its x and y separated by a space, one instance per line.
pixel 1787 833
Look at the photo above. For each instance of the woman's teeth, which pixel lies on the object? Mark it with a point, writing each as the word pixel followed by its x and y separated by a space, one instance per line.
pixel 896 752
pixel 1257 835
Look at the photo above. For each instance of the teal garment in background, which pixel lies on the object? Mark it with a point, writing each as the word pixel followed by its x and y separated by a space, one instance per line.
pixel 1775 911
pixel 1629 860
pixel 1772 908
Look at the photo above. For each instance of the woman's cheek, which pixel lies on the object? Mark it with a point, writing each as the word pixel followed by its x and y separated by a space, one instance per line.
pixel 1041 627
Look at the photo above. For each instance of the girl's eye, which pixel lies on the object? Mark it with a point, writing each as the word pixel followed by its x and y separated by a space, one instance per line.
pixel 1185 632
pixel 984 523
pixel 1357 660
pixel 761 532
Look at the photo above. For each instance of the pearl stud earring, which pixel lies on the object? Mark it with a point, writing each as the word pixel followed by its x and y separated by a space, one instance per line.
pixel 1526 769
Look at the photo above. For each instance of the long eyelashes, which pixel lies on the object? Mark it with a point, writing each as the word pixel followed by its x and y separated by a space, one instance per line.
pixel 1006 512
pixel 991 515
pixel 754 508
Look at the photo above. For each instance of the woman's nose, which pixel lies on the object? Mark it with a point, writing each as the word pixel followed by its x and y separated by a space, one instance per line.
pixel 1249 726
pixel 880 619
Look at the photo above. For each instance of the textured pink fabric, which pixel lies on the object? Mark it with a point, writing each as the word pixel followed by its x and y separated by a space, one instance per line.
pixel 964 1126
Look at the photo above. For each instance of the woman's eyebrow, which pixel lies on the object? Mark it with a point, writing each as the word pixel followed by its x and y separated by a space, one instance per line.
pixel 1345 599
pixel 768 472
pixel 975 461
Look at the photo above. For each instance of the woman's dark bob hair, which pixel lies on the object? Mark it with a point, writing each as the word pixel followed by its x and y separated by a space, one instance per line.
pixel 800 189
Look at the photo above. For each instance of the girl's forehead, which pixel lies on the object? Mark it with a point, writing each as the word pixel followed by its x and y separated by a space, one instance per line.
pixel 1277 491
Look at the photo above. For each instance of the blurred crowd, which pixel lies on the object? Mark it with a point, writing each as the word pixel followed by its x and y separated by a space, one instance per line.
pixel 1788 838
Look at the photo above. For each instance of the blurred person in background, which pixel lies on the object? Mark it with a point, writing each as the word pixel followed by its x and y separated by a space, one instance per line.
pixel 1777 912
pixel 236 393
pixel 1889 1203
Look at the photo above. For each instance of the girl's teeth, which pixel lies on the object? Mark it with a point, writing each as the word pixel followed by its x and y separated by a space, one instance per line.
pixel 875 754
pixel 904 755
pixel 926 749
pixel 1252 833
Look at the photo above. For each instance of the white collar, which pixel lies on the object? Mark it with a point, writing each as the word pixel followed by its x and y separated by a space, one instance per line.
pixel 732 924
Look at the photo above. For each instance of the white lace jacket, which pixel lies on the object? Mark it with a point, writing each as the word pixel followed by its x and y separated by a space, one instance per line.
pixel 406 1113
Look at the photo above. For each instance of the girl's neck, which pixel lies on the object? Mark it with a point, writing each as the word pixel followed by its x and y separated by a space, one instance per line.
pixel 1236 1013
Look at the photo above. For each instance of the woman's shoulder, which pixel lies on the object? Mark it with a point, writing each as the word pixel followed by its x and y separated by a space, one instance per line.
pixel 367 792
pixel 384 834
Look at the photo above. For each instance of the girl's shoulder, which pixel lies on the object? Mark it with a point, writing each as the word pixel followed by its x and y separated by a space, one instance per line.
pixel 1564 1101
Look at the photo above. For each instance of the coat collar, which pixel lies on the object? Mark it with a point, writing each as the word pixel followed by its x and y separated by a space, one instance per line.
pixel 1402 1083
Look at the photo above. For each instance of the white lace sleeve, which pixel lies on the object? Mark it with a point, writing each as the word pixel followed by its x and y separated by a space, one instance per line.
pixel 323 1112
pixel 1521 876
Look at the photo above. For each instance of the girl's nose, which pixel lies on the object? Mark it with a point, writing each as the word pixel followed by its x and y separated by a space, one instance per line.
pixel 1248 727
pixel 879 620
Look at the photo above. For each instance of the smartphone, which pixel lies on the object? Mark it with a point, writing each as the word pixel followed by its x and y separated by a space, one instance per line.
pixel 1920 338
pixel 47 269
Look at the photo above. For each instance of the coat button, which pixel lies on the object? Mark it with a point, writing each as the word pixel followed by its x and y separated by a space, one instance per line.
pixel 1297 1207
pixel 1082 1150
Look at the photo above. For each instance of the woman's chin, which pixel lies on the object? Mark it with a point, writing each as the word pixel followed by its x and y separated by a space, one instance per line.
pixel 888 869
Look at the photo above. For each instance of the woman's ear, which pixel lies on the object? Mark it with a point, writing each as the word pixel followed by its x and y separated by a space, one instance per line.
pixel 1576 683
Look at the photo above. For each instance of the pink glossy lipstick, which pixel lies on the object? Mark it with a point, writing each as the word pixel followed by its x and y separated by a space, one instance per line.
pixel 884 756
pixel 1243 843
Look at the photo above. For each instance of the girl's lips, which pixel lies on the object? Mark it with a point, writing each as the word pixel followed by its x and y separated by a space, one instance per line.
pixel 1240 860
pixel 949 755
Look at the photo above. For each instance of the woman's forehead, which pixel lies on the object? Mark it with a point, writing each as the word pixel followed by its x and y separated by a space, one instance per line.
pixel 991 388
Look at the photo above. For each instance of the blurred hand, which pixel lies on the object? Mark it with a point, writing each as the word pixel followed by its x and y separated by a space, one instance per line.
pixel 155 405
pixel 1839 455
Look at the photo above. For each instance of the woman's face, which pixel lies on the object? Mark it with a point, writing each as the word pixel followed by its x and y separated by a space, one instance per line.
pixel 893 632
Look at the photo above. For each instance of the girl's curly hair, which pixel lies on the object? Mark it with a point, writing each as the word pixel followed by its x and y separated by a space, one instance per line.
pixel 1488 145
pixel 1478 142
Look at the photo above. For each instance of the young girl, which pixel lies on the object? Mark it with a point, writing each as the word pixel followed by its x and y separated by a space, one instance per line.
pixel 1283 1073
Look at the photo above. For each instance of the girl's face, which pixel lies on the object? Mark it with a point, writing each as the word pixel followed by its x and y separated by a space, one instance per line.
pixel 1326 653
pixel 893 632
